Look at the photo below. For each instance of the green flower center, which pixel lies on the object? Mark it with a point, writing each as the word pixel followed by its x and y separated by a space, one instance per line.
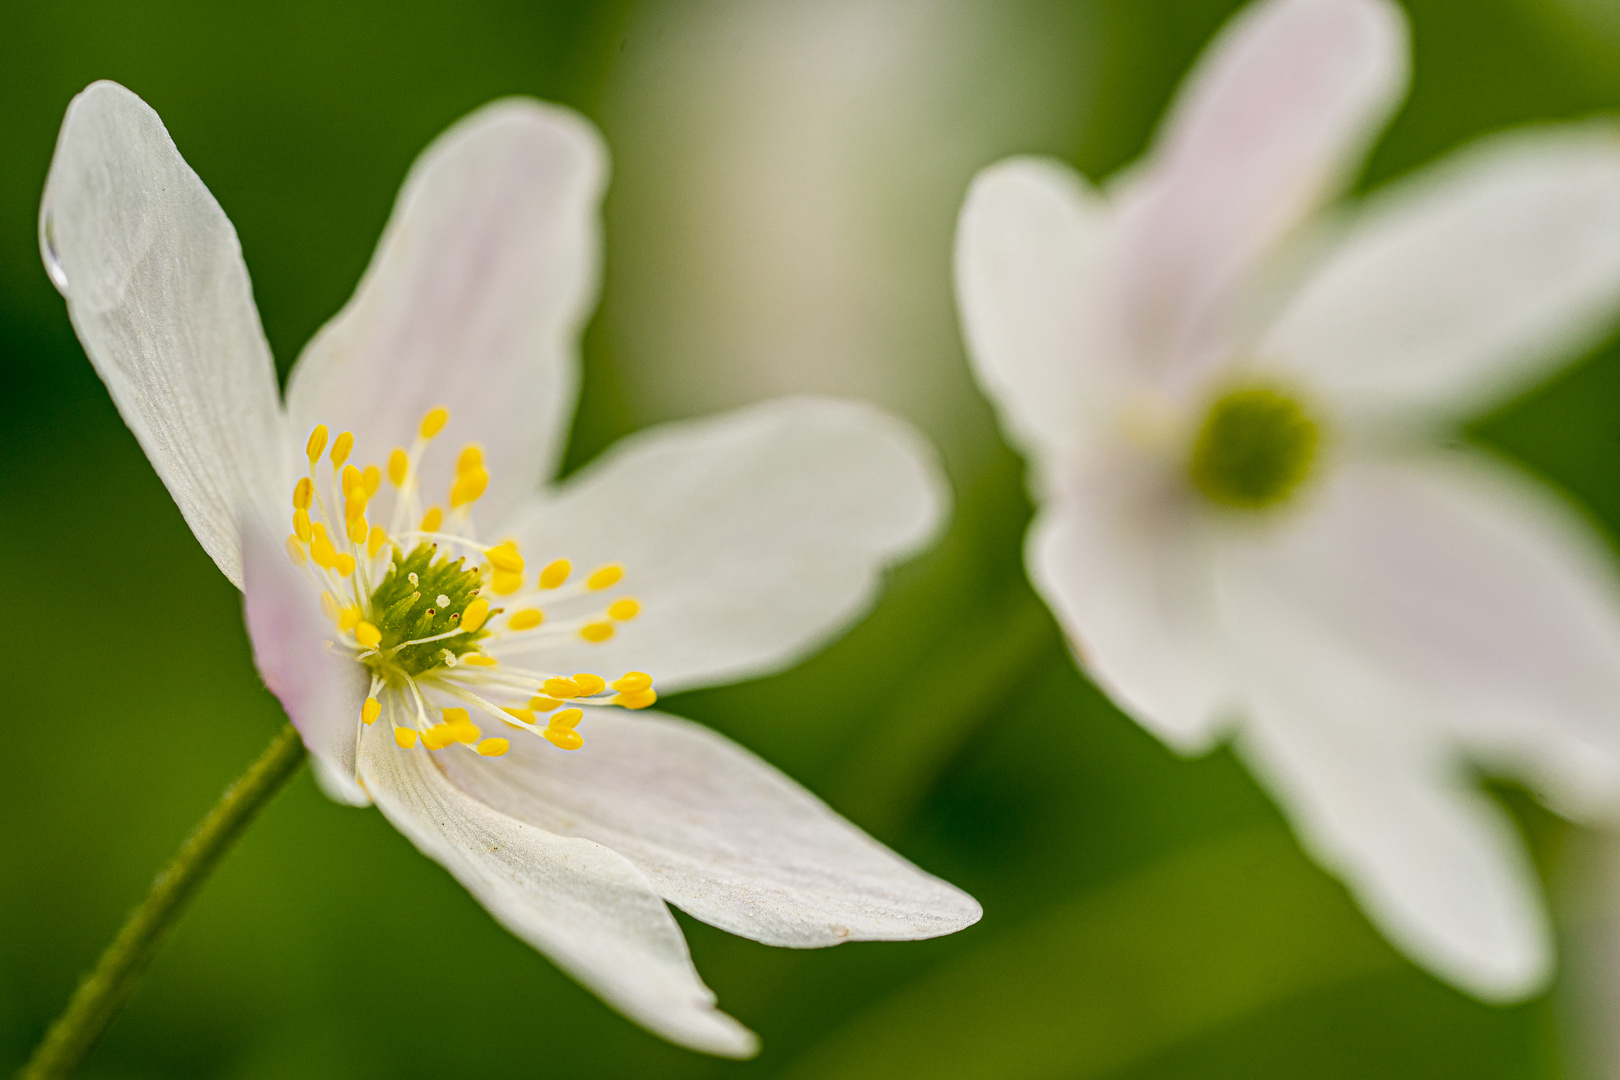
pixel 424 595
pixel 1256 447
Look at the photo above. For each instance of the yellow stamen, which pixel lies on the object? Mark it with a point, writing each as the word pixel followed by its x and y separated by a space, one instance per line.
pixel 320 548
pixel 479 660
pixel 303 493
pixel 543 704
pixel 562 688
pixel 301 524
pixel 589 684
pixel 375 541
pixel 341 447
pixel 526 619
pixel 371 477
pixel 349 479
pixel 295 551
pixel 505 583
pixel 329 606
pixel 525 715
pixel 637 699
pixel 567 719
pixel 367 635
pixel 398 465
pixel 468 486
pixel 476 613
pixel 317 443
pixel 344 565
pixel 504 556
pixel 358 530
pixel 434 421
pixel 605 576
pixel 472 457
pixel 596 632
pixel 404 737
pixel 633 681
pixel 624 609
pixel 370 711
pixel 564 739
pixel 432 519
pixel 438 736
pixel 555 574
pixel 493 747
pixel 349 617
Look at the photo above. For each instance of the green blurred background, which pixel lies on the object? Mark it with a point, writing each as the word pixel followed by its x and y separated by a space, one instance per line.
pixel 786 178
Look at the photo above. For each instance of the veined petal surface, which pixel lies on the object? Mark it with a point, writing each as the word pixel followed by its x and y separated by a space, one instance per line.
pixel 748 538
pixel 718 832
pixel 474 300
pixel 587 908
pixel 155 284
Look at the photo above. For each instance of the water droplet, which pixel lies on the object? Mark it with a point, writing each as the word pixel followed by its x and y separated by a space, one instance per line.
pixel 53 263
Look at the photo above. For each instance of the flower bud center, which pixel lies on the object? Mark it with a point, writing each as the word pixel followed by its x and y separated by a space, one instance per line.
pixel 1256 446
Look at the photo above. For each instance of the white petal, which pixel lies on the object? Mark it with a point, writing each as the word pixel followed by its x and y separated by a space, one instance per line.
pixel 1271 120
pixel 718 832
pixel 1487 598
pixel 1462 283
pixel 1119 559
pixel 586 907
pixel 1028 251
pixel 321 689
pixel 160 298
pixel 749 538
pixel 474 300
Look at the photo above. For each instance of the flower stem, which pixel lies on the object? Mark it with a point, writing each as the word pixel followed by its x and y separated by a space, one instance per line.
pixel 108 987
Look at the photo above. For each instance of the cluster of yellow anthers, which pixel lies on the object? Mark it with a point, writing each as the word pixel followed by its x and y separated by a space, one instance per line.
pixel 418 619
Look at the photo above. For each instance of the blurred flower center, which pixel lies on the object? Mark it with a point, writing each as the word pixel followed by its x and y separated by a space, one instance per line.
pixel 1256 446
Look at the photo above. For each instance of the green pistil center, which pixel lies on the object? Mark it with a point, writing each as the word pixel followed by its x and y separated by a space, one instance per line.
pixel 423 595
pixel 1256 447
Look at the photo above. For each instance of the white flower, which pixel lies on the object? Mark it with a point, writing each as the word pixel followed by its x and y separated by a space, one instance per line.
pixel 747 540
pixel 1249 519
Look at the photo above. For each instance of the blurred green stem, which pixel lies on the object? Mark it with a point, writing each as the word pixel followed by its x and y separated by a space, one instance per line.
pixel 108 987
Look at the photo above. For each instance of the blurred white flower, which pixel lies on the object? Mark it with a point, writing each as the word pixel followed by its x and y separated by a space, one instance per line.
pixel 1250 519
pixel 748 539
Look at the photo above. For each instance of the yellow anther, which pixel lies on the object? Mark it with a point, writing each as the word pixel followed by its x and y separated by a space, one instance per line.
pixel 567 719
pixel 589 684
pixel 399 465
pixel 375 540
pixel 605 576
pixel 329 606
pixel 354 507
pixel 432 519
pixel 479 660
pixel 472 457
pixel 633 681
pixel 434 421
pixel 596 632
pixel 349 617
pixel 320 548
pixel 555 574
pixel 637 699
pixel 317 443
pixel 438 736
pixel 456 715
pixel 560 687
pixel 493 747
pixel 476 613
pixel 367 635
pixel 563 739
pixel 296 552
pixel 624 609
pixel 526 619
pixel 543 704
pixel 301 524
pixel 505 583
pixel 371 477
pixel 349 479
pixel 358 530
pixel 344 564
pixel 524 715
pixel 341 447
pixel 404 737
pixel 303 493
pixel 468 486
pixel 504 556
pixel 370 711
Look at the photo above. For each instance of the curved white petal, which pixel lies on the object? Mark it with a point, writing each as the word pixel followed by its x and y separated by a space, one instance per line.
pixel 154 280
pixel 718 832
pixel 321 689
pixel 749 538
pixel 1271 120
pixel 1459 285
pixel 474 300
pixel 586 907
pixel 1029 246
pixel 1120 560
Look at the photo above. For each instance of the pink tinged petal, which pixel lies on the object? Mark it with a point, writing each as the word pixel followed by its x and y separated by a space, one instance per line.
pixel 748 538
pixel 718 832
pixel 317 682
pixel 586 907
pixel 154 281
pixel 1485 596
pixel 1028 256
pixel 1270 122
pixel 474 300
pixel 1120 561
pixel 1460 285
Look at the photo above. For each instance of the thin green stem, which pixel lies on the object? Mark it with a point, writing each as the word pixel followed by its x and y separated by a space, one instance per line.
pixel 108 987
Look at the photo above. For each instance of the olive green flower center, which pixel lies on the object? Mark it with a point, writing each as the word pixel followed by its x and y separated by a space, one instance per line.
pixel 422 600
pixel 1256 447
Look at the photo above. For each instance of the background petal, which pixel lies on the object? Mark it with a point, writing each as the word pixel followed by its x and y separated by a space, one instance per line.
pixel 749 538
pixel 1268 124
pixel 586 907
pixel 475 300
pixel 718 832
pixel 1029 243
pixel 320 687
pixel 154 281
pixel 1459 286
